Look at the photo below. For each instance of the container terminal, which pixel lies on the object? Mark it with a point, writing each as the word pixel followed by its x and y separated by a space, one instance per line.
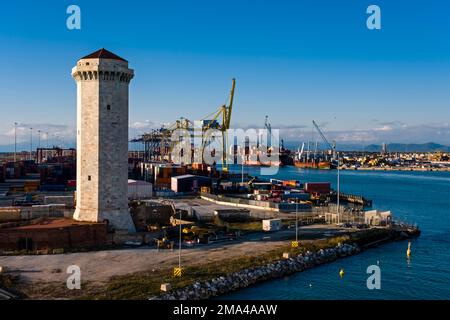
pixel 101 196
pixel 38 190
pixel 211 204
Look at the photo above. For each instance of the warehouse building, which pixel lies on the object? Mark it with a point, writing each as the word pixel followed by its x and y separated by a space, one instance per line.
pixel 189 183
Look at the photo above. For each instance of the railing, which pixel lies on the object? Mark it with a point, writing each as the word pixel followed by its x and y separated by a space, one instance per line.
pixel 268 205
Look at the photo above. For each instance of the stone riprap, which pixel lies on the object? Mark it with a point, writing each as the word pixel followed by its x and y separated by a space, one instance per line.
pixel 247 277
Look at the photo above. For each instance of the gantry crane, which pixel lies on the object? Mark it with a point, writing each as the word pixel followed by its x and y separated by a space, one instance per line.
pixel 268 126
pixel 158 143
pixel 332 146
pixel 223 112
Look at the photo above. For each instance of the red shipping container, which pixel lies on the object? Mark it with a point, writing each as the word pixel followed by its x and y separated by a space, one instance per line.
pixel 318 187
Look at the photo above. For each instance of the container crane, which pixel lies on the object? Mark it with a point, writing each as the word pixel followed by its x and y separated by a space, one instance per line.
pixel 223 112
pixel 159 143
pixel 268 126
pixel 331 146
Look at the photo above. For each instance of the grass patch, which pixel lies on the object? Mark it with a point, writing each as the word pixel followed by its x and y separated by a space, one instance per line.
pixel 143 285
pixel 146 284
pixel 252 226
pixel 8 281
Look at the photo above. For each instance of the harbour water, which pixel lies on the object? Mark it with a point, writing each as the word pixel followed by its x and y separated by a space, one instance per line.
pixel 414 197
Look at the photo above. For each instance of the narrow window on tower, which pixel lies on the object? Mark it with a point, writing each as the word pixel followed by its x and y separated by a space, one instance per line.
pixel 89 178
pixel 108 107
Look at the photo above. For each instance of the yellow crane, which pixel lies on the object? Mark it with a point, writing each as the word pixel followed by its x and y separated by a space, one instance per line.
pixel 162 138
pixel 223 112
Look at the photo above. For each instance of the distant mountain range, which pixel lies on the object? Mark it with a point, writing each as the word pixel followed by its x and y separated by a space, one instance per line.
pixel 392 147
pixel 411 147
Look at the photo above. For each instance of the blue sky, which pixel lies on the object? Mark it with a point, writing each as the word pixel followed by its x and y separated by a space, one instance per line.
pixel 293 60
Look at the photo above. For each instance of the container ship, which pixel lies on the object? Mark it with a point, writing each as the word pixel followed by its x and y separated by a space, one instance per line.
pixel 284 158
pixel 321 165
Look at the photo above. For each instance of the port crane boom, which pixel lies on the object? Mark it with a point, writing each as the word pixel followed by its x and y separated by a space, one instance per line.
pixel 158 142
pixel 268 127
pixel 331 146
pixel 224 112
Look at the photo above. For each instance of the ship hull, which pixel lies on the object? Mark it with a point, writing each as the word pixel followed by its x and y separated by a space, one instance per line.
pixel 322 165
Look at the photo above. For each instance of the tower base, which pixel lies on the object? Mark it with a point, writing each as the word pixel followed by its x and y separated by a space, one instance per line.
pixel 118 219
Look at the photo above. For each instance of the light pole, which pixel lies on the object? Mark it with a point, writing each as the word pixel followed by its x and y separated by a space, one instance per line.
pixel 46 146
pixel 179 245
pixel 31 143
pixel 242 165
pixel 338 189
pixel 15 142
pixel 296 221
pixel 39 138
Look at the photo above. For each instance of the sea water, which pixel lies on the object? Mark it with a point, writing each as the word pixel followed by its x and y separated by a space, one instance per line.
pixel 414 197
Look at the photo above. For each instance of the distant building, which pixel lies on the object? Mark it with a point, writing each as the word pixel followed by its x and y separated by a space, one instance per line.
pixel 102 80
pixel 377 218
pixel 384 148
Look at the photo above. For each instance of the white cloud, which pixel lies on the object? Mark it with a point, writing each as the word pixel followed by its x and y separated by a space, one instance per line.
pixel 50 133
pixel 144 125
pixel 389 132
pixel 384 128
pixel 392 132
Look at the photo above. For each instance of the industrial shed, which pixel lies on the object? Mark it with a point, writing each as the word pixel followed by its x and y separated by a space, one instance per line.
pixel 189 183
pixel 139 190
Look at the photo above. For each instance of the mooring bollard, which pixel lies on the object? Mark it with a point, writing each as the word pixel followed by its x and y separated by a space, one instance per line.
pixel 166 287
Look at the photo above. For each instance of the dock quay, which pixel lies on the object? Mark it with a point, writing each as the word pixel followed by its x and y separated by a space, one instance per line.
pixel 355 199
pixel 6 295
pixel 292 262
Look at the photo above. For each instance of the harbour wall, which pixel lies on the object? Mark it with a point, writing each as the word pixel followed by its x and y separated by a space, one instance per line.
pixel 202 290
pixel 247 277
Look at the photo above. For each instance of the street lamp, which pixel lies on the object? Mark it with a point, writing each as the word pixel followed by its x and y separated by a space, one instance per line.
pixel 39 138
pixel 338 189
pixel 179 245
pixel 243 160
pixel 15 142
pixel 31 143
pixel 296 221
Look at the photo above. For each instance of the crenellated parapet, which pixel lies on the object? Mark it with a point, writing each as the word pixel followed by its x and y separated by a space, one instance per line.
pixel 103 75
pixel 101 69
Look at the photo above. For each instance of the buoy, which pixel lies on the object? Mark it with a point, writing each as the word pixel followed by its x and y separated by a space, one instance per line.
pixel 408 251
pixel 341 273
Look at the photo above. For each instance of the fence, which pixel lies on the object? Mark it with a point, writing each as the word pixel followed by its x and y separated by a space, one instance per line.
pixel 257 204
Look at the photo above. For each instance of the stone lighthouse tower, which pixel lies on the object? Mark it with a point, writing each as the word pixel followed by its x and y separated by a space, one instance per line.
pixel 102 139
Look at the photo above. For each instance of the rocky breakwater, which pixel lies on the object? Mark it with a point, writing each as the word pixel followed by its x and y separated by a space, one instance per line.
pixel 247 277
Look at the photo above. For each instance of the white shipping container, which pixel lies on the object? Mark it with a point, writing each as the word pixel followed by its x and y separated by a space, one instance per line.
pixel 272 225
pixel 139 190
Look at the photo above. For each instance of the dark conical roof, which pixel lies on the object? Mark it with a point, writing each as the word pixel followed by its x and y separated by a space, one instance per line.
pixel 104 54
